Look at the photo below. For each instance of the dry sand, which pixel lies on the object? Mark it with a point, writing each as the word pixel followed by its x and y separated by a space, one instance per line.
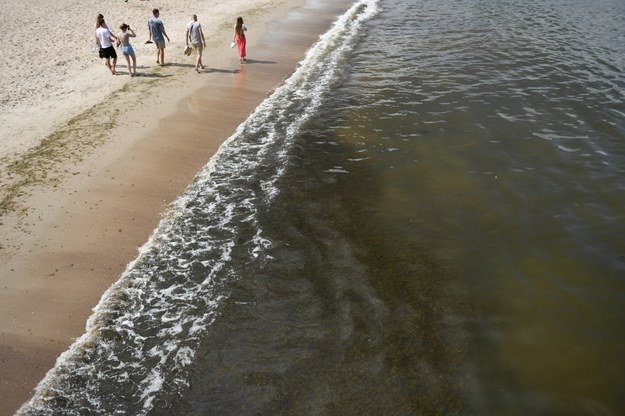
pixel 90 161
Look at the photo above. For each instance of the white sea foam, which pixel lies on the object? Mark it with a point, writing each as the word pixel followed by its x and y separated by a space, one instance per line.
pixel 568 149
pixel 336 170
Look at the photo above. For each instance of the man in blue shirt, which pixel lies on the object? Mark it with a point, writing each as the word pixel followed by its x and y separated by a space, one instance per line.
pixel 158 35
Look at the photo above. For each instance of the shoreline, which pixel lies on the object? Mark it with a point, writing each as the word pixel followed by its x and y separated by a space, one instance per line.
pixel 79 233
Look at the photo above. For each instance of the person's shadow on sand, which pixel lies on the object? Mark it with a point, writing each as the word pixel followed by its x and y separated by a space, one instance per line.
pixel 208 70
pixel 255 61
pixel 150 75
pixel 176 64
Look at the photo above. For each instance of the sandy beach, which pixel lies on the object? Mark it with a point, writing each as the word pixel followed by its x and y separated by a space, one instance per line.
pixel 89 161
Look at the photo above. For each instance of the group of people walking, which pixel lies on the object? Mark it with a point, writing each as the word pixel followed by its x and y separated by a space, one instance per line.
pixel 105 39
pixel 157 35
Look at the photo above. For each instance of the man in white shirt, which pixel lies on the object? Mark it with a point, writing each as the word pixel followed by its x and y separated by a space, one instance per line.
pixel 195 34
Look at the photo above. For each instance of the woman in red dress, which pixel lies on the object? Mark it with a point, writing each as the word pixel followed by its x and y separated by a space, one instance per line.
pixel 239 38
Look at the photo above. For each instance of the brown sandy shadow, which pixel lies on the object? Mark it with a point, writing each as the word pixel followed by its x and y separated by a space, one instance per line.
pixel 176 64
pixel 153 75
pixel 221 71
pixel 255 61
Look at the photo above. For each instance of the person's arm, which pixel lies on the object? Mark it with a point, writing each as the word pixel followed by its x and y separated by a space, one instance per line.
pixel 165 34
pixel 149 32
pixel 111 35
pixel 132 33
pixel 202 35
pixel 187 33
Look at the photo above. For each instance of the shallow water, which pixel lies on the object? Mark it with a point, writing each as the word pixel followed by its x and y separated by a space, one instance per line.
pixel 427 218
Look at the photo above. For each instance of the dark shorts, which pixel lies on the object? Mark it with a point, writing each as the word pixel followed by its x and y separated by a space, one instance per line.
pixel 109 53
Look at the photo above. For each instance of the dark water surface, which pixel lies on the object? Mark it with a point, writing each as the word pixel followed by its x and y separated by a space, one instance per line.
pixel 427 218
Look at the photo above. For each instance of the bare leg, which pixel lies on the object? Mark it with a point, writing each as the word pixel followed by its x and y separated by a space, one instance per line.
pixel 128 64
pixel 160 56
pixel 107 62
pixel 134 64
pixel 114 64
pixel 198 62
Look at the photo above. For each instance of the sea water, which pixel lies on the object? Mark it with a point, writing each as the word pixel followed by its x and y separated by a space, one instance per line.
pixel 427 217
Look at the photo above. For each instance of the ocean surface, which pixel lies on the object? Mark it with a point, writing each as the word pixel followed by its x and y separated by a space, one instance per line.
pixel 427 217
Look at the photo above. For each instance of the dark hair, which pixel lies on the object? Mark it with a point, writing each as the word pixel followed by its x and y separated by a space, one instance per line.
pixel 124 26
pixel 154 11
pixel 238 28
